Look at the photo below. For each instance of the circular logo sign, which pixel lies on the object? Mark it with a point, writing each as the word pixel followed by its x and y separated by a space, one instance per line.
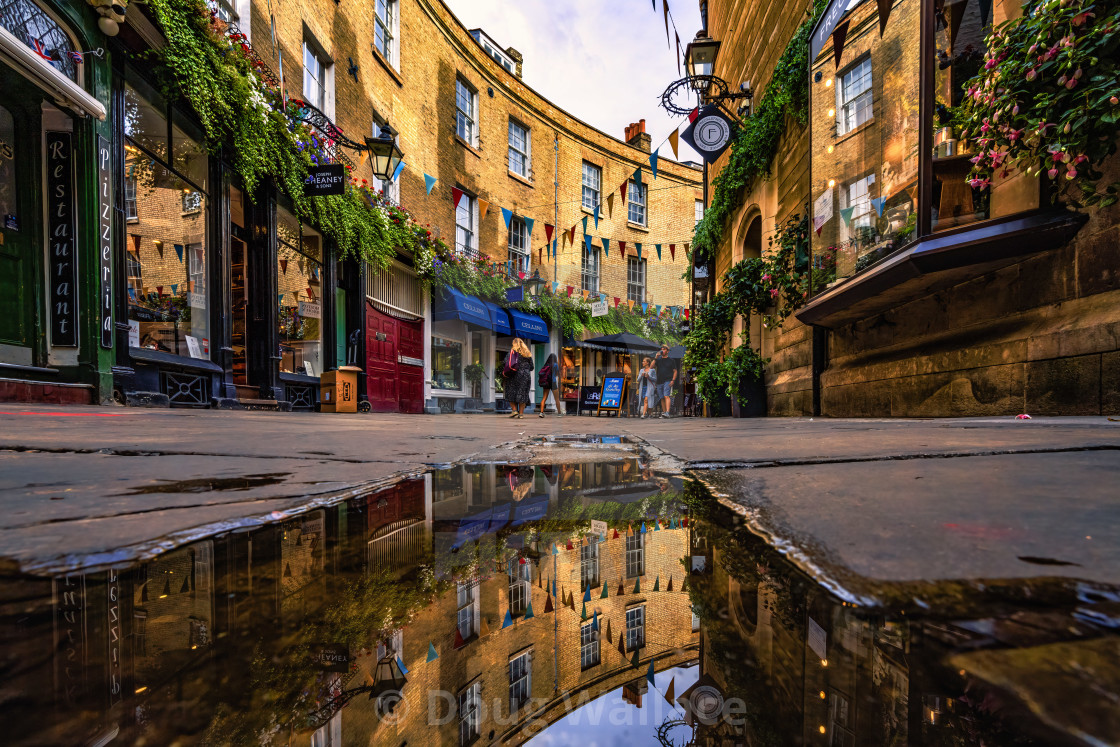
pixel 707 703
pixel 711 133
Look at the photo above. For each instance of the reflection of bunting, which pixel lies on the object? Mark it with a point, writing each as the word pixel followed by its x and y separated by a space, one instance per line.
pixel 877 203
pixel 432 655
pixel 846 214
pixel 284 266
pixel 838 37
pixel 507 621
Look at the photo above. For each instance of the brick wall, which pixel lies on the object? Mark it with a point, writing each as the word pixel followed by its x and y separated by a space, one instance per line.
pixel 417 96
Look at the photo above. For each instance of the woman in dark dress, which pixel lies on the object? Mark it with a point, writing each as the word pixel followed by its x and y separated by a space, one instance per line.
pixel 517 385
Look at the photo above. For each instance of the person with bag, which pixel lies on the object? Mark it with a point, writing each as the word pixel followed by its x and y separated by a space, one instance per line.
pixel 518 375
pixel 548 379
pixel 647 386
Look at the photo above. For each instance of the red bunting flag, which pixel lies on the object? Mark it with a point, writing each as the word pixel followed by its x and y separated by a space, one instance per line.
pixel 284 266
pixel 622 190
pixel 570 289
pixel 692 115
pixel 456 195
pixel 622 249
pixel 686 313
pixel 548 228
pixel 159 291
pixel 616 300
pixel 310 293
pixel 572 235
pixel 673 251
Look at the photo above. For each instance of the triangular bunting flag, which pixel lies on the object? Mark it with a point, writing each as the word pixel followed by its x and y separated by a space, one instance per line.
pixel 572 601
pixel 603 593
pixel 629 530
pixel 587 242
pixel 616 301
pixel 615 534
pixel 653 163
pixel 877 203
pixel 429 182
pixel 483 208
pixel 585 223
pixel 846 214
pixel 597 216
pixel 397 171
pixel 572 236
pixel 622 248
pixel 622 191
pixel 587 593
pixel 583 612
pixel 456 196
pixel 645 310
pixel 432 655
pixel 174 289
pixel 610 205
pixel 657 583
pixel 401 666
pixel 548 229
pixel 606 247
pixel 284 266
pixel 674 136
pixel 643 529
pixel 684 584
pixel 508 621
pixel 507 214
pixel 528 226
pixel 570 289
pixel 595 620
pixel 638 585
pixel 985 11
pixel 670 692
pixel 885 13
pixel 658 246
pixel 656 522
pixel 554 550
pixel 673 251
pixel 529 611
pixel 838 37
pixel 638 249
pixel 649 673
pixel 484 627
pixel 548 604
pixel 670 586
pixel 459 642
pixel 622 644
pixel 637 178
pixel 179 252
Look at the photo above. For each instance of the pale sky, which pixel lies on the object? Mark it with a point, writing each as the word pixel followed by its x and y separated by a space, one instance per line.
pixel 604 61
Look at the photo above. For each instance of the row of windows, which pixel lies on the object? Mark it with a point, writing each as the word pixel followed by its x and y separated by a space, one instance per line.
pixel 590 264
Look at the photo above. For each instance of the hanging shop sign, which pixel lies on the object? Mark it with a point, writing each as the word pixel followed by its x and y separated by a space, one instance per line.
pixel 709 134
pixel 612 394
pixel 599 308
pixel 329 179
pixel 332 657
pixel 104 232
pixel 62 247
pixel 310 309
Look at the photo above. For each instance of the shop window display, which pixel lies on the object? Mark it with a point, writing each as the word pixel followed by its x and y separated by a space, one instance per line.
pixel 166 244
pixel 299 282
pixel 866 116
pixel 447 364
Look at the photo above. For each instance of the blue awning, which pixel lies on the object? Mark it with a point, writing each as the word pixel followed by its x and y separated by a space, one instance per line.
pixel 529 326
pixel 457 305
pixel 499 317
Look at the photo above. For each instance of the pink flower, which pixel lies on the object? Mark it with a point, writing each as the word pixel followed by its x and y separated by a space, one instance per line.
pixel 1071 84
pixel 773 292
pixel 1052 173
pixel 1014 135
pixel 1114 101
pixel 1071 174
pixel 1032 73
pixel 766 277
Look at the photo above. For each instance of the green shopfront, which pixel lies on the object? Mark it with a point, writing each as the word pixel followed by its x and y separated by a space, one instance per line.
pixel 56 274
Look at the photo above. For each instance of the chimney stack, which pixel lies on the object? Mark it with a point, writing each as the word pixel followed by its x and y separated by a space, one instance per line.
pixel 636 135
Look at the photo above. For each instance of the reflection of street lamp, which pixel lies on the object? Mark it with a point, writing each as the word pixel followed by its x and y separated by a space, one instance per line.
pixel 384 153
pixel 389 680
pixel 534 284
pixel 700 60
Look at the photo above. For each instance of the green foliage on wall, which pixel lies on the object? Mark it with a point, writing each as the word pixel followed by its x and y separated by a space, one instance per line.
pixel 757 139
pixel 264 136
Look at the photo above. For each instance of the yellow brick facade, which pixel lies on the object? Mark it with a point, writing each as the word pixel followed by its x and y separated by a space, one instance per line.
pixel 415 92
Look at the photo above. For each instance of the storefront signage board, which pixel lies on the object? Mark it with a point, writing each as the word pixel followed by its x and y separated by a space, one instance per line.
pixel 61 248
pixel 329 179
pixel 612 395
pixel 515 294
pixel 588 398
pixel 332 657
pixel 104 237
pixel 310 309
pixel 710 134
pixel 599 528
pixel 599 308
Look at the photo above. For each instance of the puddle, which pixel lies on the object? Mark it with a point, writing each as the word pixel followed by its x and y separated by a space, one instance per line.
pixel 209 484
pixel 561 604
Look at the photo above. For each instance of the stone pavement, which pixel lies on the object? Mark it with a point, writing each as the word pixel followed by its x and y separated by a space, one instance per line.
pixel 857 502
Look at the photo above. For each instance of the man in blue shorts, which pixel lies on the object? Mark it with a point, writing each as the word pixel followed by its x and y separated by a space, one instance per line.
pixel 666 378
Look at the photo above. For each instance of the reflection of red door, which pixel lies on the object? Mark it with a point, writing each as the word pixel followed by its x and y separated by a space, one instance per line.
pixel 381 360
pixel 391 384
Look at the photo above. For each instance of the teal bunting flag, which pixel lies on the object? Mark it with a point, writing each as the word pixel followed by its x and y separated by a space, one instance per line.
pixel 506 215
pixel 587 593
pixel 179 252
pixel 400 665
pixel 606 247
pixel 846 214
pixel 595 620
pixel 429 182
pixel 279 299
pixel 528 226
pixel 432 655
pixel 555 287
pixel 637 178
pixel 596 217
pixel 587 242
pixel 643 528
pixel 603 297
pixel 638 247
pixel 397 171
pixel 585 224
pixel 174 289
pixel 645 309
pixel 877 203
pixel 658 246
pixel 529 611
pixel 508 621
pixel 657 309
pixel 653 163
pixel 649 674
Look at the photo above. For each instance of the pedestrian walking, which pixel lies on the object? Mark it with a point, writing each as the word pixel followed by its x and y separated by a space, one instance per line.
pixel 548 379
pixel 666 378
pixel 518 375
pixel 647 386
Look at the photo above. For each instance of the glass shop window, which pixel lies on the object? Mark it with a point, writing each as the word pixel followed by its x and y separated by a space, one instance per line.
pixel 167 206
pixel 299 284
pixel 447 363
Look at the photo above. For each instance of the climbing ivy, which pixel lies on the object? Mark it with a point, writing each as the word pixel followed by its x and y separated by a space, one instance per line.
pixel 264 136
pixel 758 137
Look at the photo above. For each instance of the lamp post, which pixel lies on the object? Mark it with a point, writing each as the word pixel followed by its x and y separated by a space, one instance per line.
pixel 700 61
pixel 700 64
pixel 534 284
pixel 384 153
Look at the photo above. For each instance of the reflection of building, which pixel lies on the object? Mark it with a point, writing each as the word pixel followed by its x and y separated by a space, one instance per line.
pixel 902 245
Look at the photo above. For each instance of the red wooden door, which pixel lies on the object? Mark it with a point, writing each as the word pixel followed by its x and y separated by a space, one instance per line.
pixel 381 360
pixel 410 376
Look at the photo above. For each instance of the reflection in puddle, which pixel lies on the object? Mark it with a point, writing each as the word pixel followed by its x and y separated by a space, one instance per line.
pixel 561 603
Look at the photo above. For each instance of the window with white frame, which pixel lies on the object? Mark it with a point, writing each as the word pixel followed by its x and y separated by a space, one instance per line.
pixel 856 195
pixel 465 222
pixel 519 585
pixel 589 563
pixel 467 599
pixel 466 106
pixel 519 149
pixel 316 70
pixel 469 702
pixel 592 185
pixel 518 244
pixel 224 10
pixel 635 628
pixel 636 205
pixel 520 680
pixel 636 279
pixel 588 646
pixel 699 210
pixel 589 270
pixel 635 555
pixel 854 97
pixel 384 28
pixel 130 212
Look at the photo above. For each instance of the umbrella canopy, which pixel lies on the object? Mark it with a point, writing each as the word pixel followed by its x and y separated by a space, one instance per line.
pixel 677 352
pixel 625 340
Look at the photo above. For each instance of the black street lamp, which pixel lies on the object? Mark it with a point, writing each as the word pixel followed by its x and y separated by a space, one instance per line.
pixel 700 60
pixel 534 284
pixel 384 153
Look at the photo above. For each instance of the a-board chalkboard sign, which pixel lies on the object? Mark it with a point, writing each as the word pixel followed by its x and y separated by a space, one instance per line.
pixel 612 394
